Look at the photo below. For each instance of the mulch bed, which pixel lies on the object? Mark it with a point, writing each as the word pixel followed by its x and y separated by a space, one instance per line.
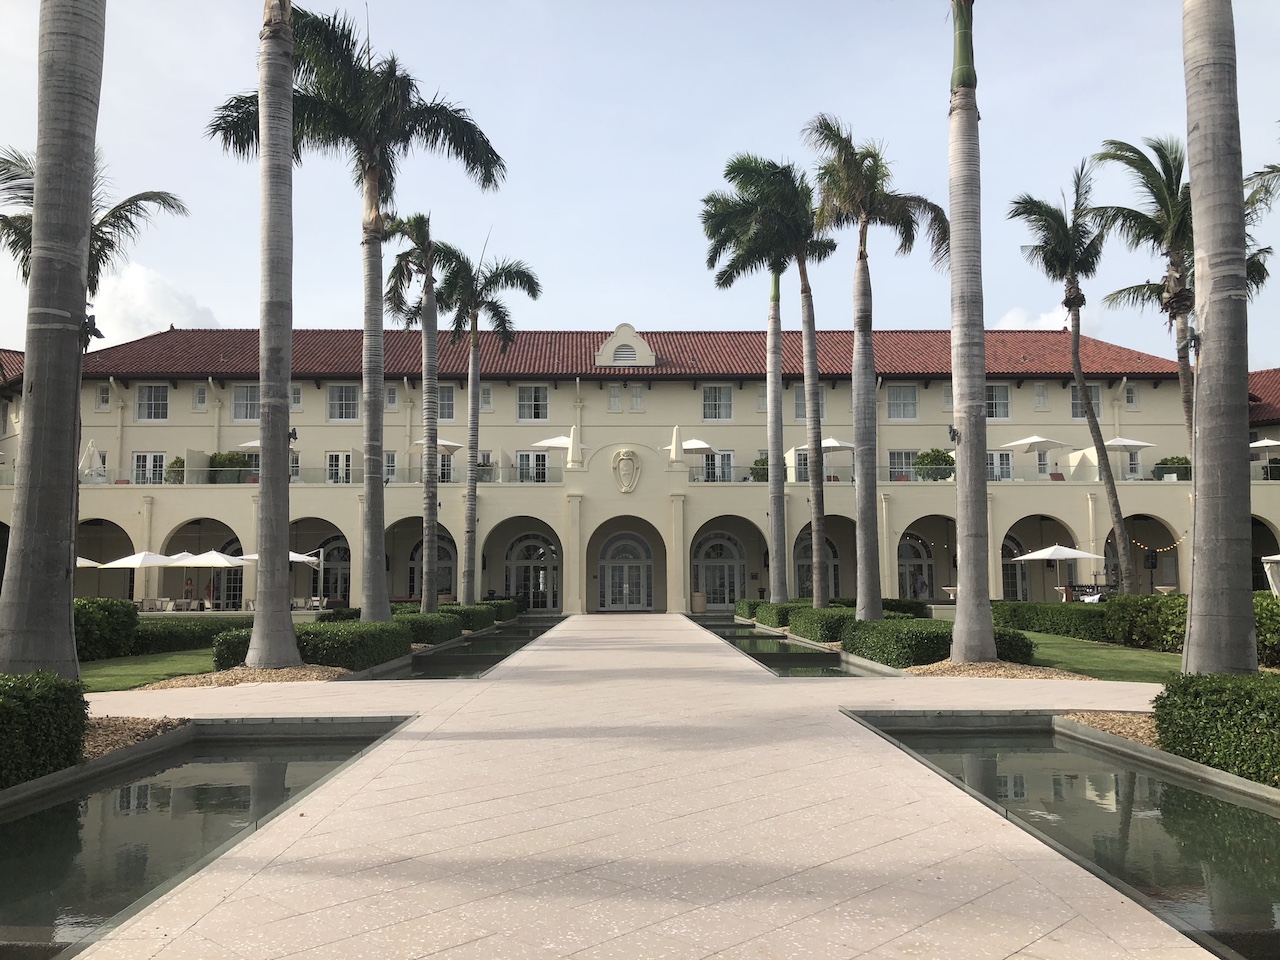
pixel 106 734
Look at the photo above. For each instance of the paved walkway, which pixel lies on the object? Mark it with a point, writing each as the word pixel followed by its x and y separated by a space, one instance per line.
pixel 631 788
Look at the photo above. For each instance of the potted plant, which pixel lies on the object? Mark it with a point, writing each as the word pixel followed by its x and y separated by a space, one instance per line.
pixel 760 470
pixel 935 465
pixel 175 471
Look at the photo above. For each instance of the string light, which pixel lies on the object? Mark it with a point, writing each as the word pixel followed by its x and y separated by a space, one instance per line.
pixel 1142 546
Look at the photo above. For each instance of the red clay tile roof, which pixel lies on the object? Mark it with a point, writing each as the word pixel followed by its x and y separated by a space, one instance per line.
pixel 11 365
pixel 558 354
pixel 1265 386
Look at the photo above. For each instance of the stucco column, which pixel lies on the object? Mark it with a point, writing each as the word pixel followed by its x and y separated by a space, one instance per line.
pixel 995 575
pixel 574 560
pixel 140 583
pixel 358 558
pixel 249 544
pixel 677 560
pixel 888 553
pixel 1094 546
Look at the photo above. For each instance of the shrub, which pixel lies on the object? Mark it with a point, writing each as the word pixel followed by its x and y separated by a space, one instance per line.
pixel 1266 615
pixel 42 723
pixel 502 609
pixel 1179 467
pixel 760 470
pixel 473 618
pixel 913 608
pixel 1228 722
pixel 1086 621
pixel 1149 622
pixel 230 467
pixel 105 628
pixel 820 626
pixel 779 614
pixel 353 645
pixel 431 627
pixel 909 643
pixel 335 614
pixel 169 634
pixel 175 470
pixel 746 609
pixel 934 464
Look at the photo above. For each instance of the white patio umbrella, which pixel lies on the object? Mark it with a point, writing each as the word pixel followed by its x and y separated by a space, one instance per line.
pixel 210 559
pixel 138 561
pixel 831 443
pixel 1262 445
pixel 255 444
pixel 306 558
pixel 693 446
pixel 442 444
pixel 1058 552
pixel 1127 446
pixel 558 443
pixel 81 563
pixel 1034 444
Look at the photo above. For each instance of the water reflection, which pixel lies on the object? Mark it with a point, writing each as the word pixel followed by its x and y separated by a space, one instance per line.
pixel 783 658
pixel 68 868
pixel 1210 863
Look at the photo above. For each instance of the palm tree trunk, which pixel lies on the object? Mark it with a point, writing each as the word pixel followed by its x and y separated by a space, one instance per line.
pixel 778 551
pixel 813 430
pixel 1220 626
pixel 36 629
pixel 375 601
pixel 273 643
pixel 1124 551
pixel 973 639
pixel 430 438
pixel 865 454
pixel 468 577
pixel 1186 379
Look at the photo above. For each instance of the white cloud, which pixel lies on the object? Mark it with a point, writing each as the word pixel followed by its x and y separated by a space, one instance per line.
pixel 1019 318
pixel 138 301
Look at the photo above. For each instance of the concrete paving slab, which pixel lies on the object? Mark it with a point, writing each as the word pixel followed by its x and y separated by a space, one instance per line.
pixel 630 786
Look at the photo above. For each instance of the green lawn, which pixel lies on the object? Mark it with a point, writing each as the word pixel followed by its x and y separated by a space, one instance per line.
pixel 1102 660
pixel 125 673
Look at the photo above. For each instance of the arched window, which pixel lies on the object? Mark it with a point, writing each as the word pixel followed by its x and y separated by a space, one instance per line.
pixel 719 569
pixel 1015 577
pixel 626 573
pixel 446 567
pixel 804 566
pixel 915 568
pixel 335 569
pixel 227 591
pixel 624 354
pixel 533 571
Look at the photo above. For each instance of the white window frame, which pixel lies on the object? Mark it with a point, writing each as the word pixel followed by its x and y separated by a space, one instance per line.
pixel 531 466
pixel 391 396
pixel 246 399
pixel 614 392
pixel 446 409
pixel 897 404
pixel 948 397
pixel 484 466
pixel 902 463
pixel 1133 464
pixel 1094 391
pixel 1041 391
pixel 636 402
pixel 1042 463
pixel 444 467
pixel 295 465
pixel 295 396
pixel 801 411
pixel 994 403
pixel 102 397
pixel 486 399
pixel 337 466
pixel 199 397
pixel 1132 397
pixel 717 466
pixel 150 402
pixel 389 465
pixel 717 403
pixel 529 398
pixel 762 398
pixel 149 466
pixel 338 398
pixel 802 466
pixel 999 465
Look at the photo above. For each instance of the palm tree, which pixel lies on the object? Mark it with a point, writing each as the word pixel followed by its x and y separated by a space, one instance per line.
pixel 36 630
pixel 468 290
pixel 974 637
pixel 113 224
pixel 1163 223
pixel 418 262
pixel 1067 247
pixel 346 102
pixel 273 643
pixel 855 190
pixel 747 231
pixel 1220 627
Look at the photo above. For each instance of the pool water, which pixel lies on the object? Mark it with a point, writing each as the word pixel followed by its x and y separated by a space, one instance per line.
pixel 66 869
pixel 473 657
pixel 783 658
pixel 1204 863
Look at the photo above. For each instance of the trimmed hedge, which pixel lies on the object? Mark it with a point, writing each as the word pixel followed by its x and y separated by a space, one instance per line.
pixel 779 614
pixel 42 723
pixel 473 618
pixel 909 643
pixel 502 609
pixel 912 608
pixel 1228 722
pixel 350 644
pixel 746 609
pixel 821 626
pixel 431 627
pixel 338 614
pixel 170 634
pixel 1149 622
pixel 105 628
pixel 1085 621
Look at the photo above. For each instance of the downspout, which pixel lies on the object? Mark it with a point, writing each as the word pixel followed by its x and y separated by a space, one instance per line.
pixel 408 420
pixel 217 419
pixel 119 440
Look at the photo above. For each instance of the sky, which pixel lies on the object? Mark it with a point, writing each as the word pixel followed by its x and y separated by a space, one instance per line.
pixel 616 119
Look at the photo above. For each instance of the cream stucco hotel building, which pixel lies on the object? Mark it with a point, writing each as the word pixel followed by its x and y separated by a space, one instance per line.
pixel 628 527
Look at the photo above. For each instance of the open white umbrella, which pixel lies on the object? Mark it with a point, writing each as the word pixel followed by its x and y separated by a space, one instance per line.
pixel 693 446
pixel 210 559
pixel 831 443
pixel 255 444
pixel 1058 552
pixel 138 561
pixel 81 563
pixel 306 558
pixel 1127 446
pixel 1263 444
pixel 557 443
pixel 1034 444
pixel 441 444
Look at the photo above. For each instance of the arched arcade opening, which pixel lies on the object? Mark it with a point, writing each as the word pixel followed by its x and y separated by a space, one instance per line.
pixel 626 567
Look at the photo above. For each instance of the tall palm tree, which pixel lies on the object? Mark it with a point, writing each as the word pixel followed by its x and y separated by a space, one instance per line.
pixel 748 231
pixel 1162 222
pixel 855 189
pixel 1067 247
pixel 114 224
pixel 273 643
pixel 974 637
pixel 410 265
pixel 36 630
pixel 369 110
pixel 468 291
pixel 1220 629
